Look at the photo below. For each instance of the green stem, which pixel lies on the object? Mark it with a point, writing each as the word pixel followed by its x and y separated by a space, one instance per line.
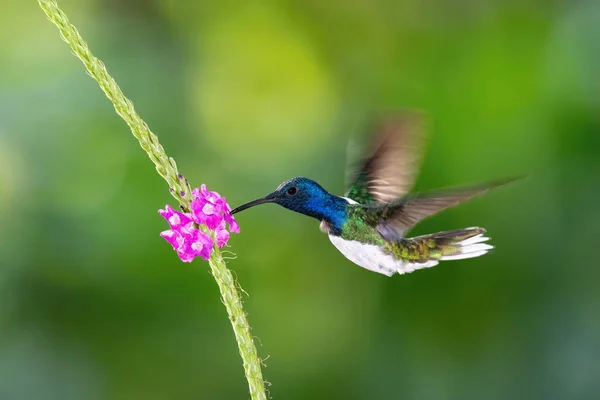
pixel 167 168
pixel 233 303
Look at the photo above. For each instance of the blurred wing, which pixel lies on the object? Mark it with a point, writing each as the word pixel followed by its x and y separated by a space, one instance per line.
pixel 390 172
pixel 399 218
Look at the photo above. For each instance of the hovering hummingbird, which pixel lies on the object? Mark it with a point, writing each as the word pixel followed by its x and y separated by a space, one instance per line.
pixel 369 225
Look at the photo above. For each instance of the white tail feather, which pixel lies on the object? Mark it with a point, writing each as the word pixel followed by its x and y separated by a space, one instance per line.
pixel 475 239
pixel 470 248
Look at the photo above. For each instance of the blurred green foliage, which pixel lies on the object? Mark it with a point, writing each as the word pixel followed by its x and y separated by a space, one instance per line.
pixel 94 305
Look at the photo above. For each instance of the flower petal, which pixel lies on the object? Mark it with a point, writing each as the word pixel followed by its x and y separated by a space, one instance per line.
pixel 233 225
pixel 185 257
pixel 173 237
pixel 222 237
pixel 202 245
pixel 174 218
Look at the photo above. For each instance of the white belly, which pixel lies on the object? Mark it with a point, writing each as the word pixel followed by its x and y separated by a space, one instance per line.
pixel 373 258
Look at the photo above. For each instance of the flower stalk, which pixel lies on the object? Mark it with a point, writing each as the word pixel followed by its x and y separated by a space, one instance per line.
pixel 181 190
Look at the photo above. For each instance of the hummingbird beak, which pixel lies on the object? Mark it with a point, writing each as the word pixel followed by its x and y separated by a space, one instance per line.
pixel 267 199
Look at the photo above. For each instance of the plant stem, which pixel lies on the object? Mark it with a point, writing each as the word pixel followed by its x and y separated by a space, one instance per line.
pixel 233 303
pixel 167 168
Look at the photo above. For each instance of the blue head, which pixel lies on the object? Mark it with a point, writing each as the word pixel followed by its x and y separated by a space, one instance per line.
pixel 307 197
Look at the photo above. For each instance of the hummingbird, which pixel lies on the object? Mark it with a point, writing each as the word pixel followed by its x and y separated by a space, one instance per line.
pixel 370 223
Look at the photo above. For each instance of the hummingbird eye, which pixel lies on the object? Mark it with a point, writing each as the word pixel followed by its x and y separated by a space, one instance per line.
pixel 292 191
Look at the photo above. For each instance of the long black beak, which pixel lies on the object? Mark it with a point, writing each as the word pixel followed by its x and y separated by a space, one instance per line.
pixel 267 199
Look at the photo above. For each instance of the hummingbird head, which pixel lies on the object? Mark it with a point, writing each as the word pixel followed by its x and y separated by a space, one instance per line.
pixel 295 195
pixel 304 196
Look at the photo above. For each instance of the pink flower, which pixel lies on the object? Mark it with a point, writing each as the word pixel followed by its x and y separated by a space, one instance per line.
pixel 209 209
pixel 222 235
pixel 233 225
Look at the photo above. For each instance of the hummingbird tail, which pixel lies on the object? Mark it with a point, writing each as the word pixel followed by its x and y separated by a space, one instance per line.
pixel 410 254
pixel 451 245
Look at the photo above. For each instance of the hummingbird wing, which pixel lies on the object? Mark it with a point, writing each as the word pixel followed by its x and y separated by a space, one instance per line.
pixel 397 218
pixel 389 173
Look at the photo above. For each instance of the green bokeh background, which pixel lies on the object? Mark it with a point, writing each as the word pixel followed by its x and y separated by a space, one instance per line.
pixel 94 305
